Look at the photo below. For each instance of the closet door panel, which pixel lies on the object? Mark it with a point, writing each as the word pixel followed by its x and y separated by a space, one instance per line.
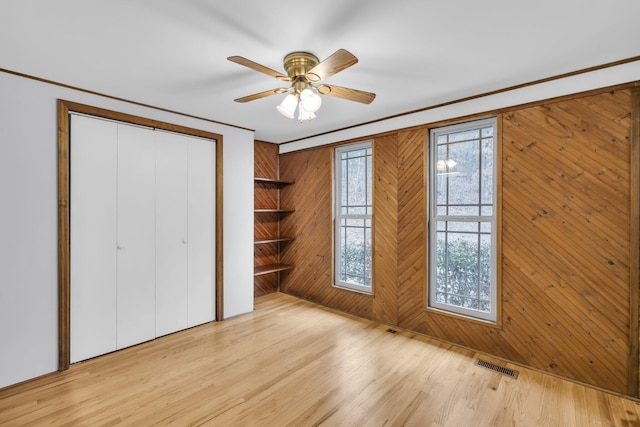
pixel 135 236
pixel 93 237
pixel 202 185
pixel 171 233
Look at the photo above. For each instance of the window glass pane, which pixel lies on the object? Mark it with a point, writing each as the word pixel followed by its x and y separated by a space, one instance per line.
pixel 472 210
pixel 463 266
pixel 463 226
pixel 442 176
pixel 464 135
pixel 485 306
pixel 354 251
pixel 357 210
pixel 464 176
pixel 369 182
pixel 343 184
pixel 367 257
pixel 356 153
pixel 356 222
pixel 441 271
pixel 487 170
pixel 356 179
pixel 485 267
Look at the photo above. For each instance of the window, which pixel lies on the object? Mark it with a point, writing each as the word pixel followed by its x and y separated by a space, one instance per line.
pixel 462 219
pixel 353 208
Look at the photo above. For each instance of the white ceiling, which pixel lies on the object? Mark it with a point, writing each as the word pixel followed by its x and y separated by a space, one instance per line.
pixel 413 54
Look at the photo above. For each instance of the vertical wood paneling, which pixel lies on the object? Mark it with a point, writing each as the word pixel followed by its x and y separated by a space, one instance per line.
pixel 569 239
pixel 385 229
pixel 266 196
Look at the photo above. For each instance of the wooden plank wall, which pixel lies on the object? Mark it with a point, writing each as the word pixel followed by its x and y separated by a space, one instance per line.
pixel 311 224
pixel 265 225
pixel 385 229
pixel 567 235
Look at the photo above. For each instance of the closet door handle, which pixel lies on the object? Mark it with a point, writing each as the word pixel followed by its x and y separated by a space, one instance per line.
pixel 185 241
pixel 120 247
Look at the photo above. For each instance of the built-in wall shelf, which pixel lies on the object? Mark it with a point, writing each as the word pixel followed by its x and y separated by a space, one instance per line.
pixel 273 240
pixel 272 181
pixel 278 211
pixel 271 268
pixel 270 196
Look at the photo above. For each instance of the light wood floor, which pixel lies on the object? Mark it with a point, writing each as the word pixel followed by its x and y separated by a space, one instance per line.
pixel 294 363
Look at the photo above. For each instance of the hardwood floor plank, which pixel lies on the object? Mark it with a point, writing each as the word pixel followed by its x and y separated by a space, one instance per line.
pixel 294 363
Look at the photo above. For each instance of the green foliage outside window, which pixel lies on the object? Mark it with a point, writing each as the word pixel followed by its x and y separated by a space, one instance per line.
pixel 463 276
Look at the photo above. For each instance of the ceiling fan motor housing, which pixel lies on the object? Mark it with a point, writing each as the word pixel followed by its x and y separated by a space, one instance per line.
pixel 298 63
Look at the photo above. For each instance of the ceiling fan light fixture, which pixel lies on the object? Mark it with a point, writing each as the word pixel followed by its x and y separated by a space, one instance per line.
pixel 310 101
pixel 306 72
pixel 288 106
pixel 304 115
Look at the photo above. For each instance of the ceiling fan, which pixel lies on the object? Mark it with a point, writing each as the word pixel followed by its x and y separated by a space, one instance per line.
pixel 306 73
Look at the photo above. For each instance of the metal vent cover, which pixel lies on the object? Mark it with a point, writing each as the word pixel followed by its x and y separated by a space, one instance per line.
pixel 499 369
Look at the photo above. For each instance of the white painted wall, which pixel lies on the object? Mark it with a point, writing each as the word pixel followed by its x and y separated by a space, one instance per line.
pixel 28 219
pixel 624 73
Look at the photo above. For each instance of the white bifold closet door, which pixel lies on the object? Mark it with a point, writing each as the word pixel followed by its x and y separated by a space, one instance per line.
pixel 142 234
pixel 185 232
pixel 202 231
pixel 136 236
pixel 172 233
pixel 93 191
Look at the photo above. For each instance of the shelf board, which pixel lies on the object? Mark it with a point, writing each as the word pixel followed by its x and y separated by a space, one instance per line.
pixel 273 240
pixel 273 210
pixel 271 268
pixel 271 181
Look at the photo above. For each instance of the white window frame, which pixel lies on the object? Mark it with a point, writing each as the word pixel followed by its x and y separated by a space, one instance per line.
pixel 338 216
pixel 434 218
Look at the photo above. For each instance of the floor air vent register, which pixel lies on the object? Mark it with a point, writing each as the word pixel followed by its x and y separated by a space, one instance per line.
pixel 500 369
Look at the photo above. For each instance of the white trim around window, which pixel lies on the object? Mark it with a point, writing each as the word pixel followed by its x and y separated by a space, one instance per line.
pixel 353 208
pixel 462 219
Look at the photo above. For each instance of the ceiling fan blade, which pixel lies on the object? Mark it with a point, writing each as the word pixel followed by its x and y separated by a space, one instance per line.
pixel 347 93
pixel 258 67
pixel 335 63
pixel 261 94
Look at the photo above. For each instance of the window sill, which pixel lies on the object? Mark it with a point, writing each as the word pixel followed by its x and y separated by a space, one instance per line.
pixel 491 324
pixel 357 291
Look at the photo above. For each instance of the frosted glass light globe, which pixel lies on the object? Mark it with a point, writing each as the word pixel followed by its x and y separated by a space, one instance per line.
pixel 310 101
